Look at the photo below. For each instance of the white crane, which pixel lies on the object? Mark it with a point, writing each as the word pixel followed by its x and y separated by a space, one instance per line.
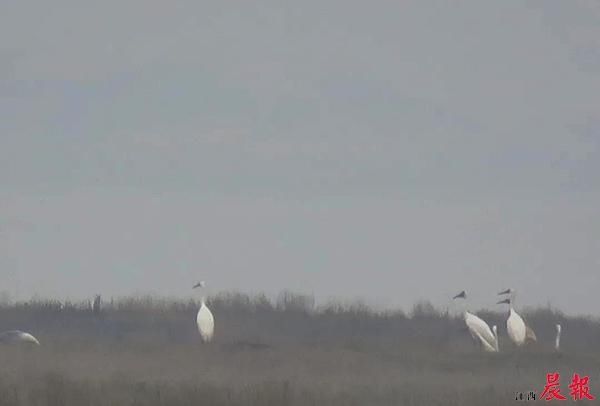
pixel 18 337
pixel 557 340
pixel 515 326
pixel 479 329
pixel 204 318
pixel 529 333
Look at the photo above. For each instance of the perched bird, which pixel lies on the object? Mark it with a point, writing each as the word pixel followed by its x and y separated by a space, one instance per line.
pixel 557 340
pixel 204 318
pixel 17 337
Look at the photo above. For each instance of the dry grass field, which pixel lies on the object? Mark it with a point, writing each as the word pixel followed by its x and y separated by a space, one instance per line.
pixel 146 351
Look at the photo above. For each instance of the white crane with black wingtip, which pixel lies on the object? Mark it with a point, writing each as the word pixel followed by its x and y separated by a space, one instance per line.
pixel 204 318
pixel 479 329
pixel 518 331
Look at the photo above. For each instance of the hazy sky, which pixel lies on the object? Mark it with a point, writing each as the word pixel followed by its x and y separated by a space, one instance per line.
pixel 390 151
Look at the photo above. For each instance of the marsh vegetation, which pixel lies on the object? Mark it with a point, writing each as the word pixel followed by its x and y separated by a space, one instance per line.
pixel 146 351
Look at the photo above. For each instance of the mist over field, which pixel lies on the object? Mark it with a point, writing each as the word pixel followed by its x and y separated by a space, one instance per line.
pixel 147 351
pixel 378 157
pixel 341 148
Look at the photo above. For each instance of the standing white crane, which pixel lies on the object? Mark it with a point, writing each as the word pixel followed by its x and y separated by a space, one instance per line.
pixel 557 340
pixel 479 329
pixel 529 333
pixel 204 318
pixel 18 337
pixel 515 326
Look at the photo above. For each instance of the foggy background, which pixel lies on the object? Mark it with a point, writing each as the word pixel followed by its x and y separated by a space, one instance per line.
pixel 390 152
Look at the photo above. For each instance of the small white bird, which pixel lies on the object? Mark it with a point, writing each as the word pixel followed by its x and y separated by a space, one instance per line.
pixel 204 318
pixel 18 337
pixel 557 340
pixel 479 329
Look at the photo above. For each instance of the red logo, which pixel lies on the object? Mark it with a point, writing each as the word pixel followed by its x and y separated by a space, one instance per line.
pixel 552 388
pixel 580 388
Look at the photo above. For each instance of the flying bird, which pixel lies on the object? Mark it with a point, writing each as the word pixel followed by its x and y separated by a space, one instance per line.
pixel 204 318
pixel 18 337
pixel 479 329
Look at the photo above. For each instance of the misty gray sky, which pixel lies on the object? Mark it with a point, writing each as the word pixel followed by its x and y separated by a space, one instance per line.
pixel 392 151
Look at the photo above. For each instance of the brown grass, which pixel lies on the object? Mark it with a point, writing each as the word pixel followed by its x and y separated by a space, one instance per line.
pixel 146 351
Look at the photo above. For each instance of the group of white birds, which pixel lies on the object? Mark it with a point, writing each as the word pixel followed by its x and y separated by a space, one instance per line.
pixel 518 331
pixel 204 320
